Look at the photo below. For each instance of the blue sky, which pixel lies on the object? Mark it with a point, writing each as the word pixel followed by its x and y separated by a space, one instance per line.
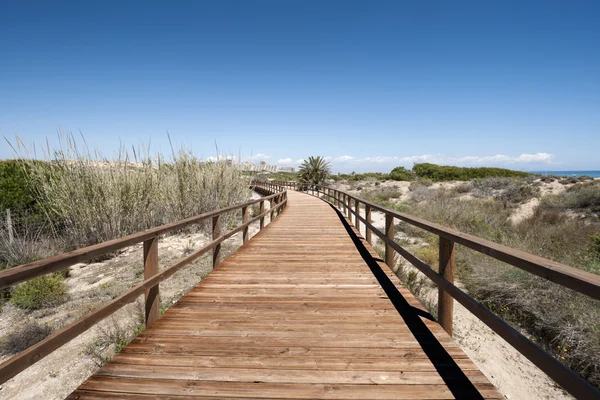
pixel 371 85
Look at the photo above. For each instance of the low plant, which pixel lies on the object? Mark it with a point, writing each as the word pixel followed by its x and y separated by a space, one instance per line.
pixel 381 195
pixel 43 291
pixel 113 336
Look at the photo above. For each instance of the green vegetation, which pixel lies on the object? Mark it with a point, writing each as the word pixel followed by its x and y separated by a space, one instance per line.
pixel 402 174
pixel 15 188
pixel 384 197
pixel 280 176
pixel 451 173
pixel 314 171
pixel 433 172
pixel 43 291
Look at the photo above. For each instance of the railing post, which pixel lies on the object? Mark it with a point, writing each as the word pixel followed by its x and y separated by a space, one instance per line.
pixel 389 233
pixel 271 201
pixel 349 207
pixel 368 219
pixel 357 210
pixel 261 211
pixel 152 303
pixel 445 301
pixel 216 233
pixel 244 220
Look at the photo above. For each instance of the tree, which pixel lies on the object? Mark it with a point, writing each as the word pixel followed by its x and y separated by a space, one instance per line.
pixel 314 170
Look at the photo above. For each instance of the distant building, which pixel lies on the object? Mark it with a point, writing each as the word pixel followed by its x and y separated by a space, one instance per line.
pixel 286 169
pixel 263 167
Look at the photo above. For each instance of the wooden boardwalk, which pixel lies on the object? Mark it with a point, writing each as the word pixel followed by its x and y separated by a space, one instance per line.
pixel 306 309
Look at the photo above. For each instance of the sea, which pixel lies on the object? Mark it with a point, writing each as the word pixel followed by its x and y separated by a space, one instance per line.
pixel 593 174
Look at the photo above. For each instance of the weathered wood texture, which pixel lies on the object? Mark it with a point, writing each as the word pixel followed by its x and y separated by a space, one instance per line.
pixel 305 309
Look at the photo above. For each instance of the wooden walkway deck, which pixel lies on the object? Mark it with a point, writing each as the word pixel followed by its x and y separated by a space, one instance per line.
pixel 306 309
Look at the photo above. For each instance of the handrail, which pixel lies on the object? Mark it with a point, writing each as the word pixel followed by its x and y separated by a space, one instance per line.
pixel 580 281
pixel 152 277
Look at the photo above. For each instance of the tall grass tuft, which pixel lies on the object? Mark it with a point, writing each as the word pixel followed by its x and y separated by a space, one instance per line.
pixel 89 199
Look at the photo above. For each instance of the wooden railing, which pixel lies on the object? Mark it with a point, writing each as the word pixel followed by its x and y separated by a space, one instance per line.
pixel 575 279
pixel 277 197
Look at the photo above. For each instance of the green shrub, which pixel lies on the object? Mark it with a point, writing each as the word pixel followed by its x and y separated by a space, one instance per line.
pixel 43 291
pixel 452 173
pixel 15 189
pixel 402 174
pixel 24 337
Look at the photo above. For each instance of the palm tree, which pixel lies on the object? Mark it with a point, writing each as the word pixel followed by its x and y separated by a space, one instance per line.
pixel 314 171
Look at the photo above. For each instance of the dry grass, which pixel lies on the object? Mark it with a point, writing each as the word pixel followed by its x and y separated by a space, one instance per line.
pixel 88 199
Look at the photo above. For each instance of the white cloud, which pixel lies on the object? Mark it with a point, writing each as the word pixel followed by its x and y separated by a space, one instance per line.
pixel 259 157
pixel 300 160
pixel 220 157
pixel 344 158
pixel 287 160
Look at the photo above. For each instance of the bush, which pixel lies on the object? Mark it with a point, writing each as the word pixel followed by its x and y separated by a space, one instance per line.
pixel 451 173
pixel 577 197
pixel 463 188
pixel 512 190
pixel 402 174
pixel 24 337
pixel 43 291
pixel 381 195
pixel 15 189
pixel 420 183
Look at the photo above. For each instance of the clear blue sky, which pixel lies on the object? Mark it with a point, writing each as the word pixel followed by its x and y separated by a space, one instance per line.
pixel 369 84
